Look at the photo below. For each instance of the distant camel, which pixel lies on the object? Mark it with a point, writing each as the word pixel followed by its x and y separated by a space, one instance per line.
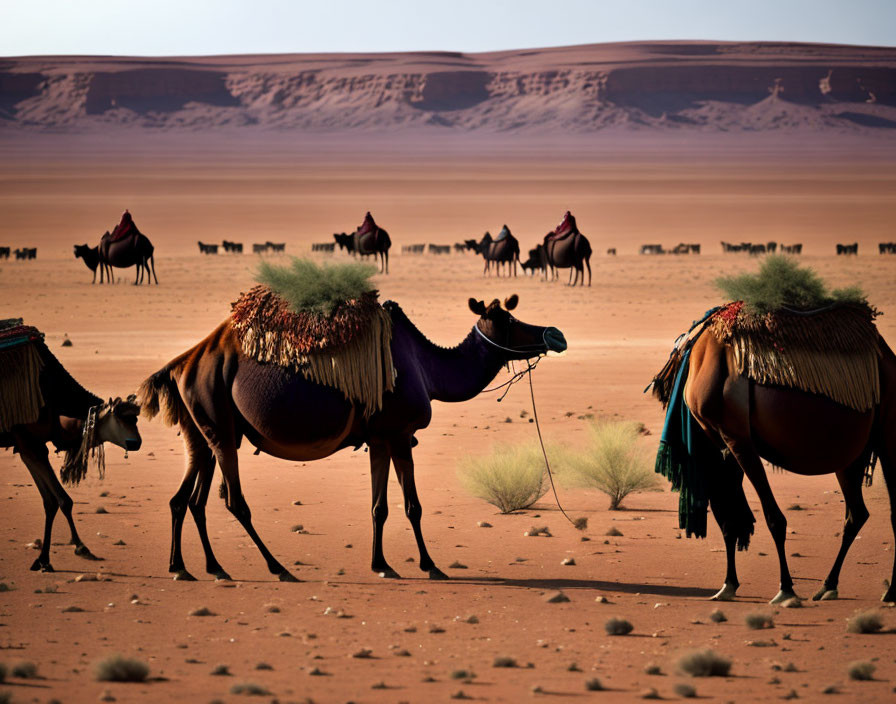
pixel 535 261
pixel 4 252
pixel 91 257
pixel 125 247
pixel 801 432
pixel 67 405
pixel 567 248
pixel 218 396
pixel 207 248
pixel 372 240
pixel 503 249
pixel 848 248
pixel 232 247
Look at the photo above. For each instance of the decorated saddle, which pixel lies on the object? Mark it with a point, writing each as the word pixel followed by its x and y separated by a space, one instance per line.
pixel 348 349
pixel 20 365
pixel 566 228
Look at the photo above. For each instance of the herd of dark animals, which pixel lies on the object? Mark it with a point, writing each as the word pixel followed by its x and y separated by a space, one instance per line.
pixel 214 414
pixel 21 253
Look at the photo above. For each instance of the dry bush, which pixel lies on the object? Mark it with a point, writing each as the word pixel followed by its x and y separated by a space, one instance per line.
pixel 618 627
pixel 117 668
pixel 861 670
pixel 757 621
pixel 865 622
pixel 250 689
pixel 24 670
pixel 718 616
pixel 593 685
pixel 511 478
pixel 685 691
pixel 704 663
pixel 612 461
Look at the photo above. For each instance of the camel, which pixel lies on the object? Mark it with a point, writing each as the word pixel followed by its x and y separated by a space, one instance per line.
pixel 503 249
pixel 372 240
pixel 566 247
pixel 91 257
pixel 125 247
pixel 67 409
pixel 804 433
pixel 217 396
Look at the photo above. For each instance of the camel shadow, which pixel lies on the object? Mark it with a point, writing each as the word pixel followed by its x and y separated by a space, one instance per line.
pixel 599 585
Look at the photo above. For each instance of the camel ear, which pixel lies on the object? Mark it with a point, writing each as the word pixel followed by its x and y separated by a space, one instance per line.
pixel 510 303
pixel 478 307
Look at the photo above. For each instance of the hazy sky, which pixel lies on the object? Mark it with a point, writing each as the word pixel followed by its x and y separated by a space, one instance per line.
pixel 195 27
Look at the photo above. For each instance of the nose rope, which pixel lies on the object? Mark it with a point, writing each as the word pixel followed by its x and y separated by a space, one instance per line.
pixel 579 523
pixel 515 350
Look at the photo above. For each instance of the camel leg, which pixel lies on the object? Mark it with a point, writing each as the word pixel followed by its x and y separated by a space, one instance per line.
pixel 734 517
pixel 65 505
pixel 750 462
pixel 850 481
pixel 236 504
pixel 404 469
pixel 198 501
pixel 152 261
pixel 38 466
pixel 588 264
pixel 178 505
pixel 888 465
pixel 379 484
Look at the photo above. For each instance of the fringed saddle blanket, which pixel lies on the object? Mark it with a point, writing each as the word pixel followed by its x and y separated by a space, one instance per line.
pixel 349 350
pixel 834 352
pixel 20 365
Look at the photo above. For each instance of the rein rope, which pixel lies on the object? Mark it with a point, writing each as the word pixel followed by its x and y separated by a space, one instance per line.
pixel 580 523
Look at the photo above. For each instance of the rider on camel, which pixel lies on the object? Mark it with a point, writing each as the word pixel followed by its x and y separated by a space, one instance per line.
pixel 566 227
pixel 124 228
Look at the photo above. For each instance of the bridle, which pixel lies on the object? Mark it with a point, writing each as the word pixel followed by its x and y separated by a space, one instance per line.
pixel 536 349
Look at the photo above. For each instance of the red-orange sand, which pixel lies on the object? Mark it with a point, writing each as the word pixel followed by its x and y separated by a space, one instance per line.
pixel 625 191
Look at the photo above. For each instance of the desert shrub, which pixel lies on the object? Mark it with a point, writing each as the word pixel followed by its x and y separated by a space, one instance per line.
pixel 250 689
pixel 780 282
pixel 865 622
pixel 504 661
pixel 618 627
pixel 704 663
pixel 593 685
pixel 511 478
pixel 685 691
pixel 462 674
pixel 311 288
pixel 117 668
pixel 718 616
pixel 757 621
pixel 24 670
pixel 612 461
pixel 861 670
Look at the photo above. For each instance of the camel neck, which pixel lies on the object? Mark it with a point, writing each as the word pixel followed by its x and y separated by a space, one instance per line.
pixel 460 373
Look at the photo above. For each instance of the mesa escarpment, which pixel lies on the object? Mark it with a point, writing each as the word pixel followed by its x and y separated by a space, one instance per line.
pixel 684 85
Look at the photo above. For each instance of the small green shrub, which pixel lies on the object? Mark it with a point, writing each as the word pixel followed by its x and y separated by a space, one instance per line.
pixel 117 668
pixel 311 288
pixel 704 663
pixel 511 478
pixel 865 622
pixel 685 691
pixel 861 670
pixel 618 627
pixel 782 282
pixel 612 462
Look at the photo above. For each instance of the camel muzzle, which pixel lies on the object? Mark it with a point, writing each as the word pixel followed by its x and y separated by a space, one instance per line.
pixel 132 445
pixel 554 340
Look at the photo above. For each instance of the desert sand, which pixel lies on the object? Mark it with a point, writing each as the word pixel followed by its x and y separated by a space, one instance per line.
pixel 60 190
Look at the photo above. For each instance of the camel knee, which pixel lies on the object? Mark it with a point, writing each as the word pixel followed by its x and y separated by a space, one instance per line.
pixel 178 505
pixel 380 513
pixel 239 508
pixel 857 518
pixel 414 511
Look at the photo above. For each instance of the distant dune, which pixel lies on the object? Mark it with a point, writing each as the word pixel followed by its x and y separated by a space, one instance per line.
pixel 694 86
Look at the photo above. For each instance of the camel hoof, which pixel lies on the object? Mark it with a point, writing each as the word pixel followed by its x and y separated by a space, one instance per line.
pixel 84 551
pixel 825 594
pixel 221 576
pixel 285 576
pixel 726 593
pixel 783 596
pixel 389 573
pixel 436 573
pixel 183 576
pixel 38 566
pixel 890 596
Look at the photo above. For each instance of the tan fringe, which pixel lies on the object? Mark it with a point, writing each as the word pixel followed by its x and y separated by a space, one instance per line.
pixel 834 353
pixel 20 396
pixel 361 368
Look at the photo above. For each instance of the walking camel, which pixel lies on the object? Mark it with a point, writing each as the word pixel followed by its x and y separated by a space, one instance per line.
pixel 566 247
pixel 801 432
pixel 76 422
pixel 217 396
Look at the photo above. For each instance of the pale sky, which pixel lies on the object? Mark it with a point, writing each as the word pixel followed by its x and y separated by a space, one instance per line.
pixel 201 27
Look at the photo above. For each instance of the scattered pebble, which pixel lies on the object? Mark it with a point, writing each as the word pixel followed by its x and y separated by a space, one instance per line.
pixel 202 611
pixel 457 566
pixel 555 597
pixel 483 524
pixel 568 561
pixel 614 532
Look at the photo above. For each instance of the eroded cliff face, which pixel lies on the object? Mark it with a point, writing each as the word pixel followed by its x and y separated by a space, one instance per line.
pixel 668 86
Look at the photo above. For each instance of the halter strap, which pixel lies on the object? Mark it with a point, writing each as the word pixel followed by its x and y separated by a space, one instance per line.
pixel 525 348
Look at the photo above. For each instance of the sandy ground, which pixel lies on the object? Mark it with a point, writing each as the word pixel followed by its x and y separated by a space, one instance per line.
pixel 619 331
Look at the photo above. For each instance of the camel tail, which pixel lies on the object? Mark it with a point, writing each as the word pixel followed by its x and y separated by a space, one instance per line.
pixel 159 395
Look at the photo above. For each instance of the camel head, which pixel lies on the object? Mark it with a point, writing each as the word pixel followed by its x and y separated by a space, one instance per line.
pixel 117 423
pixel 518 340
pixel 81 250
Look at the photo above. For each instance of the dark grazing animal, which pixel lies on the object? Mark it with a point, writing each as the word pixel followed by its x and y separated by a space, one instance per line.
pixel 26 253
pixel 323 246
pixel 848 249
pixel 218 396
pixel 4 252
pixel 66 408
pixel 207 248
pixel 232 247
pixel 259 248
pixel 412 248
pixel 91 257
pixel 439 249
pixel 792 248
